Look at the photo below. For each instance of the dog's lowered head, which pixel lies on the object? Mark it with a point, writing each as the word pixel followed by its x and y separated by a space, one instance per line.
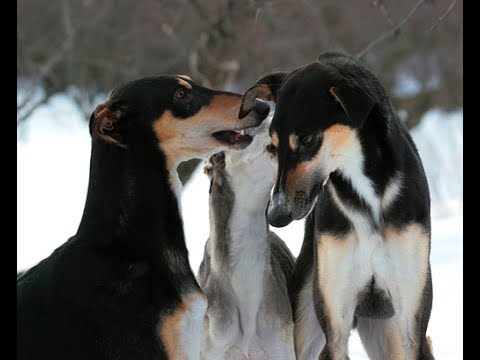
pixel 319 110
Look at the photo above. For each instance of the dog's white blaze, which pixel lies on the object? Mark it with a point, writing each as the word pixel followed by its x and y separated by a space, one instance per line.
pixel 392 191
pixel 191 329
pixel 309 336
pixel 341 150
pixel 361 183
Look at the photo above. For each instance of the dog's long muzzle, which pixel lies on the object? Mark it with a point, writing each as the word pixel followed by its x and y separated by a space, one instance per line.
pixel 278 214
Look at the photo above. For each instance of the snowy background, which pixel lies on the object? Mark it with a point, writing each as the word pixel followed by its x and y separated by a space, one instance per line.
pixel 53 151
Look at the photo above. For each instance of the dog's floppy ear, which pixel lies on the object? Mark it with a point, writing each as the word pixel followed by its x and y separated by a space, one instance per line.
pixel 104 124
pixel 265 88
pixel 355 102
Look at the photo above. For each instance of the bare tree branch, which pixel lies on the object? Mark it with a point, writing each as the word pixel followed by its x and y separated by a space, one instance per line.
pixel 33 105
pixel 439 19
pixel 392 32
pixel 383 9
pixel 46 68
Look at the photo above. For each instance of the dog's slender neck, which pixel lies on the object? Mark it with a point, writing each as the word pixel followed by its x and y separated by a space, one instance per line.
pixel 131 205
pixel 239 243
pixel 237 204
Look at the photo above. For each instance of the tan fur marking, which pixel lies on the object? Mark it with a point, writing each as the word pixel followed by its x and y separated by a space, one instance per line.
pixel 412 244
pixel 430 343
pixel 185 84
pixel 183 139
pixel 394 342
pixel 331 251
pixel 337 141
pixel 170 332
pixel 293 142
pixel 275 139
pixel 339 137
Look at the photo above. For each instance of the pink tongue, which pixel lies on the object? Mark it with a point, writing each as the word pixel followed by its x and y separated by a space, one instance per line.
pixel 237 136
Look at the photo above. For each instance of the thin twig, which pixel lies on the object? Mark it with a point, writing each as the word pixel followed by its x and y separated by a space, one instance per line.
pixel 33 106
pixel 391 32
pixel 383 9
pixel 435 23
pixel 48 66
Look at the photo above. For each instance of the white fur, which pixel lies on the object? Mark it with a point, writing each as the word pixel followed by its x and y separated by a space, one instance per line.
pixel 192 326
pixel 351 166
pixel 392 191
pixel 176 185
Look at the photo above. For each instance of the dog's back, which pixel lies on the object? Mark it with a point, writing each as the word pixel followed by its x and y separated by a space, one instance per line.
pixel 69 301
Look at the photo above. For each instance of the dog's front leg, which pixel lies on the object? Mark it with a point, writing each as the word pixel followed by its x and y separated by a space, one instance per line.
pixel 334 292
pixel 181 331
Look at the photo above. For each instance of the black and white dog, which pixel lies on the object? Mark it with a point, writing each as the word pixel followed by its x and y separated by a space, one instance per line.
pixel 343 153
pixel 246 267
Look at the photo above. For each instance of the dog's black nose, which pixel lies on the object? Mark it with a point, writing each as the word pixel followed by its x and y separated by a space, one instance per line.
pixel 261 108
pixel 278 215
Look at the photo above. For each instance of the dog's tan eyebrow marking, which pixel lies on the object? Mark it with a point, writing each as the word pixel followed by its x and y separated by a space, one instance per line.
pixel 274 137
pixel 185 77
pixel 293 141
pixel 184 84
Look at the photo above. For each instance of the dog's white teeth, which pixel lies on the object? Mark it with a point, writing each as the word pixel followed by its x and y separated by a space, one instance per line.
pixel 242 132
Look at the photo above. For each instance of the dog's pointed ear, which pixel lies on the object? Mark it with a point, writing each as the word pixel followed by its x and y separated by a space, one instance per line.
pixel 104 124
pixel 355 102
pixel 265 88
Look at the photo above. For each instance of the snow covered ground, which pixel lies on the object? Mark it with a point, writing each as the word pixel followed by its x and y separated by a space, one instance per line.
pixel 52 174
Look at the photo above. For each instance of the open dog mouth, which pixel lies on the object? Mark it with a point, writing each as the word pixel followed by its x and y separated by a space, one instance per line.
pixel 238 139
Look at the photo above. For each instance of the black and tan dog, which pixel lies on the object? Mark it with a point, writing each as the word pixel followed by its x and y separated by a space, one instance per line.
pixel 343 153
pixel 122 287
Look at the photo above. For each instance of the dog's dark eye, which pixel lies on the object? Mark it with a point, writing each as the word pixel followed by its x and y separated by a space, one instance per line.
pixel 180 94
pixel 307 139
pixel 272 149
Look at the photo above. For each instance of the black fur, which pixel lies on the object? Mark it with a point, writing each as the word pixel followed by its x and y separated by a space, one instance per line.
pixel 374 303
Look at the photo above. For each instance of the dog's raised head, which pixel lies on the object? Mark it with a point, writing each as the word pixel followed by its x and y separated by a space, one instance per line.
pixel 253 168
pixel 319 109
pixel 175 114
